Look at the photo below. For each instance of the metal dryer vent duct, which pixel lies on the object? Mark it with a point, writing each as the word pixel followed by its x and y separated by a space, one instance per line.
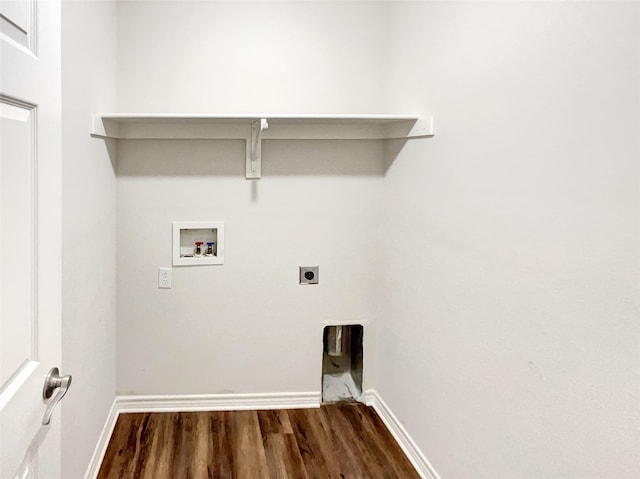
pixel 335 341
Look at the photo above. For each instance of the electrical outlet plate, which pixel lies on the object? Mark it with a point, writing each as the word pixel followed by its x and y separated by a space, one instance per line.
pixel 164 278
pixel 309 274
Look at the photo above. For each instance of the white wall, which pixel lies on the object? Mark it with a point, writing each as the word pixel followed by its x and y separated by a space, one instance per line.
pixel 247 326
pixel 282 57
pixel 88 229
pixel 510 341
pixel 504 251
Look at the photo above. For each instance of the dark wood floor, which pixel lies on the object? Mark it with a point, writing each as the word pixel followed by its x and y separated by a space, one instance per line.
pixel 341 441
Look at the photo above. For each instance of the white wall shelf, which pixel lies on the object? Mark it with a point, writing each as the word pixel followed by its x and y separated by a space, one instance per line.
pixel 255 128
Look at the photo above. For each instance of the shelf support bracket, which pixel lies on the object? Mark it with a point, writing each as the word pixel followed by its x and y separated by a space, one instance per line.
pixel 254 149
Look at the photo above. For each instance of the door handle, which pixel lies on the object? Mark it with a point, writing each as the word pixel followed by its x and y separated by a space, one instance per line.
pixel 52 382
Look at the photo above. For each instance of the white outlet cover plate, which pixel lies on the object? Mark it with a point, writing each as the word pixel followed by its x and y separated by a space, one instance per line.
pixel 164 278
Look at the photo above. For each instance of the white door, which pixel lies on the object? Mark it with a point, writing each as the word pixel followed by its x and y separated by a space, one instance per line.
pixel 30 229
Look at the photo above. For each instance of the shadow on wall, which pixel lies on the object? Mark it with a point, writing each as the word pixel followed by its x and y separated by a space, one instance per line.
pixel 112 150
pixel 392 149
pixel 227 158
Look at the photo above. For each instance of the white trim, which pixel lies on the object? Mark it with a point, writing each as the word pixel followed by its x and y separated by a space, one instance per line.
pixel 240 402
pixel 345 322
pixel 400 434
pixel 251 117
pixel 218 402
pixel 103 442
pixel 281 127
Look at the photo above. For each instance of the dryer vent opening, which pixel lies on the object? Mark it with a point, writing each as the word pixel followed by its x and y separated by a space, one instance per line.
pixel 342 363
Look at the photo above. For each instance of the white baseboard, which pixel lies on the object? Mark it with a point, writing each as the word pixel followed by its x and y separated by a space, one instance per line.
pixel 239 402
pixel 195 402
pixel 218 402
pixel 400 434
pixel 103 442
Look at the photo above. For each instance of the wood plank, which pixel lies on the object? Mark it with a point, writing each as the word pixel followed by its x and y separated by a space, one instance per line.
pixel 314 443
pixel 275 421
pixel 249 461
pixel 221 460
pixel 283 457
pixel 154 460
pixel 357 460
pixel 375 430
pixel 182 458
pixel 166 432
pixel 120 458
pixel 372 450
pixel 202 454
pixel 345 450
